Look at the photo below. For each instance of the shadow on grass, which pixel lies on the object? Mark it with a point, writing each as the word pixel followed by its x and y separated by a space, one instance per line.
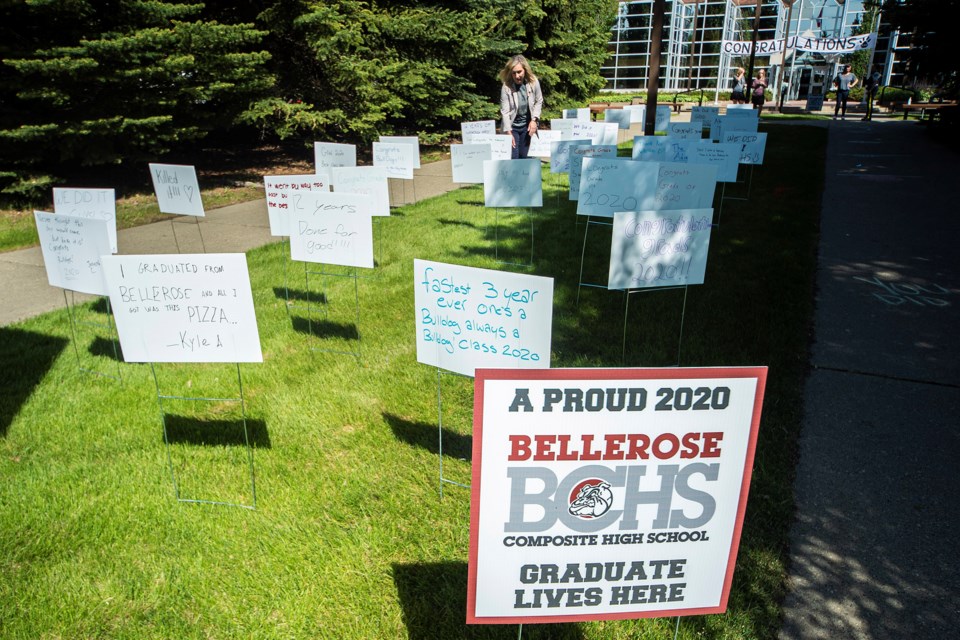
pixel 101 305
pixel 464 222
pixel 325 328
pixel 425 436
pixel 106 348
pixel 216 433
pixel 25 358
pixel 433 598
pixel 300 295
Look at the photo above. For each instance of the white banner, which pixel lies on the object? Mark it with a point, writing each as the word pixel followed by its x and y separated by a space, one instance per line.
pixel 608 493
pixel 802 43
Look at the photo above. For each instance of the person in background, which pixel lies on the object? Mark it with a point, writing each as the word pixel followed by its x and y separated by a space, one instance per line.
pixel 757 88
pixel 843 82
pixel 871 85
pixel 521 102
pixel 739 93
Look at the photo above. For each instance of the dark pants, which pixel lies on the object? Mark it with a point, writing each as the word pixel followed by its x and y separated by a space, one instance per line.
pixel 841 102
pixel 521 139
pixel 870 97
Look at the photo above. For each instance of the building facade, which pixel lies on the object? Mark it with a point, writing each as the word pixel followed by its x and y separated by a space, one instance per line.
pixel 692 52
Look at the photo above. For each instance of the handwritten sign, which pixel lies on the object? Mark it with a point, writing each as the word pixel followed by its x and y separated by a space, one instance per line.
pixel 704 115
pixel 564 126
pixel 367 181
pixel 638 113
pixel 677 150
pixel 183 308
pixel 685 130
pixel 413 141
pixel 598 132
pixel 469 318
pixel 512 183
pixel 71 247
pixel 619 116
pixel 659 248
pixel 742 110
pixel 396 158
pixel 500 145
pixel 649 148
pixel 177 189
pixel 467 162
pixel 327 155
pixel 722 124
pixel 477 126
pixel 606 494
pixel 333 228
pixel 724 156
pixel 560 154
pixel 752 145
pixel 577 114
pixel 281 191
pixel 663 118
pixel 577 156
pixel 99 204
pixel 612 185
pixel 541 144
pixel 680 186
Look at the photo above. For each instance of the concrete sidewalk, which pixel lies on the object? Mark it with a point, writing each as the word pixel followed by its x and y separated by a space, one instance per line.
pixel 873 546
pixel 231 229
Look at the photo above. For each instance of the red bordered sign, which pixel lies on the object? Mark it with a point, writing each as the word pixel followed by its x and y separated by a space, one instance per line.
pixel 608 493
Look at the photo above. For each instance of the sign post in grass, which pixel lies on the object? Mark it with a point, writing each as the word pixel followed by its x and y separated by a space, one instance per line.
pixel 469 318
pixel 187 308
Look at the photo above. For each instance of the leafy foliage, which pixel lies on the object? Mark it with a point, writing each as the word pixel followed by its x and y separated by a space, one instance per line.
pixel 356 69
pixel 91 85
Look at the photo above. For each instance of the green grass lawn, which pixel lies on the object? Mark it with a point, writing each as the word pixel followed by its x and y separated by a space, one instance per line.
pixel 350 538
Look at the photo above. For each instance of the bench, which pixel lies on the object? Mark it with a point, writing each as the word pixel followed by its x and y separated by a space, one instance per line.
pixel 923 107
pixel 597 108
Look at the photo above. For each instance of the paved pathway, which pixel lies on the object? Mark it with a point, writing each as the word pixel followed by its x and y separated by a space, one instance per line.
pixel 874 551
pixel 235 228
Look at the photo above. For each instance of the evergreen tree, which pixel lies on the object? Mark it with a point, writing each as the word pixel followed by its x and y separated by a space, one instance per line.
pixel 98 83
pixel 355 69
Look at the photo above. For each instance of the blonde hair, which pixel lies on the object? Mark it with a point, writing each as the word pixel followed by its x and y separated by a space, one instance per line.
pixel 506 74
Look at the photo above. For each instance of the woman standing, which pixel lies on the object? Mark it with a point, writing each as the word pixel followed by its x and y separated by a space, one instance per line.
pixel 521 102
pixel 739 93
pixel 758 86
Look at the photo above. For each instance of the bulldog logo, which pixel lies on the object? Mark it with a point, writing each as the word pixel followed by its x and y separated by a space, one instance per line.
pixel 591 499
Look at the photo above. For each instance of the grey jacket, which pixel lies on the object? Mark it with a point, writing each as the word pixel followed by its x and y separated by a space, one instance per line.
pixel 508 103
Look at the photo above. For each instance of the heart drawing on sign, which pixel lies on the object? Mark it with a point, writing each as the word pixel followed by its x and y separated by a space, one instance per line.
pixel 189 191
